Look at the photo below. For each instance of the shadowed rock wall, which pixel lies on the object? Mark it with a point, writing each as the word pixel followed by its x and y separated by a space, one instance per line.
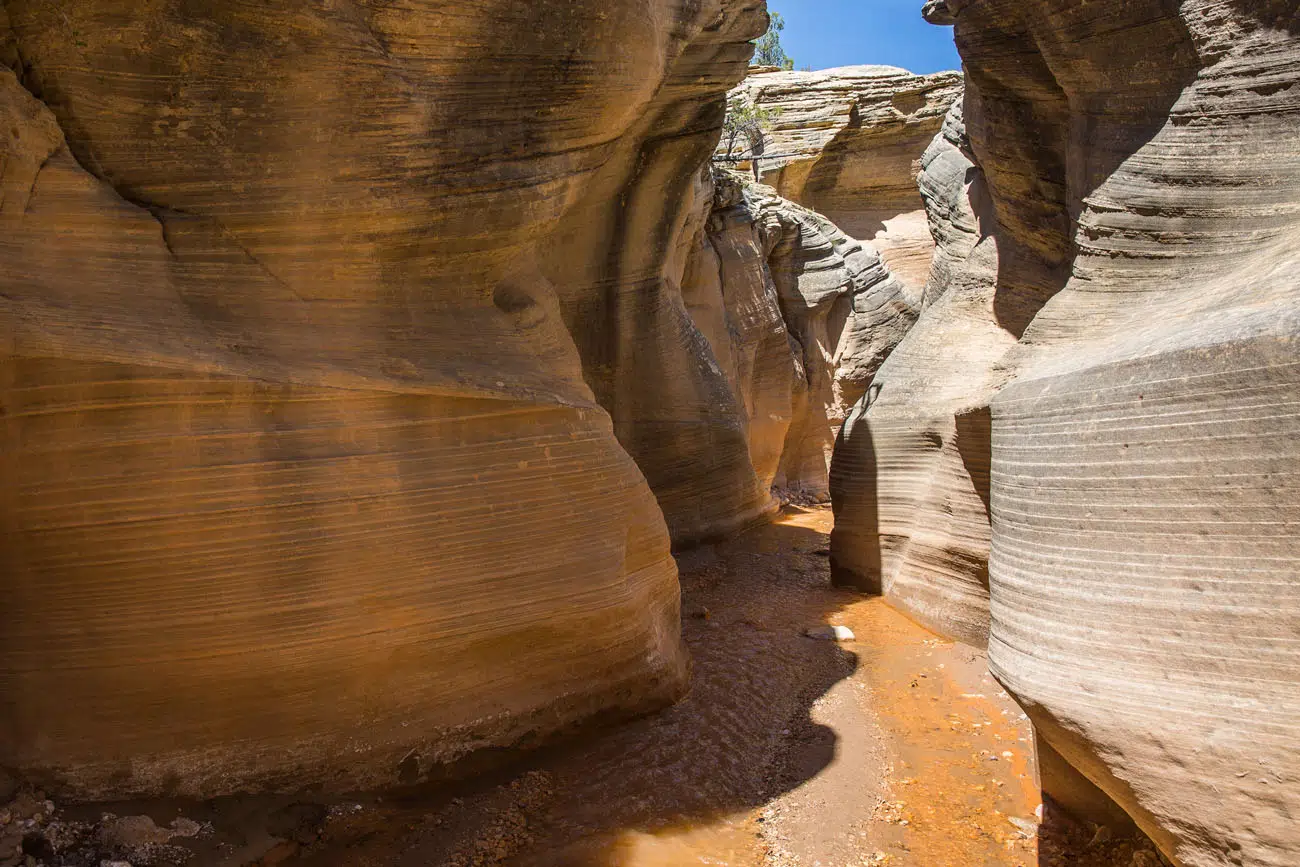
pixel 910 474
pixel 798 316
pixel 1137 355
pixel 325 336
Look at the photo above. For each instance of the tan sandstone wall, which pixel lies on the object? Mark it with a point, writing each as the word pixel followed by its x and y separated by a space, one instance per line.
pixel 1142 168
pixel 798 316
pixel 850 140
pixel 910 480
pixel 320 335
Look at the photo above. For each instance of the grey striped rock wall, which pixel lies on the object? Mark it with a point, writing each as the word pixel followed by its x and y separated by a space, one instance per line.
pixel 799 316
pixel 910 474
pixel 1138 346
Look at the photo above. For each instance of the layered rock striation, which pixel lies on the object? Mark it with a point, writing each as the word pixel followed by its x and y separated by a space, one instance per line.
pixel 1136 171
pixel 328 336
pixel 910 480
pixel 798 317
pixel 846 143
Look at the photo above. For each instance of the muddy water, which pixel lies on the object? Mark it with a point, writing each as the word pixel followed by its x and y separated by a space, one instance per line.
pixel 895 748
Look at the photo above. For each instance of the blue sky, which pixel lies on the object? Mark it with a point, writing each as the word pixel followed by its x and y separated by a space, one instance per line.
pixel 826 33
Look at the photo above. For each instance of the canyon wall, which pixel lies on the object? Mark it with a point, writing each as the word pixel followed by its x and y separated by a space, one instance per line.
pixel 1123 288
pixel 910 481
pixel 361 364
pixel 798 316
pixel 326 334
pixel 846 144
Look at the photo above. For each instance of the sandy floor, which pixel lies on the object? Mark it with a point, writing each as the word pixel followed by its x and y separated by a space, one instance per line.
pixel 894 748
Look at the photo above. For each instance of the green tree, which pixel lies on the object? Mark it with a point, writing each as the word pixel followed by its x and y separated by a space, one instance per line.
pixel 768 50
pixel 745 124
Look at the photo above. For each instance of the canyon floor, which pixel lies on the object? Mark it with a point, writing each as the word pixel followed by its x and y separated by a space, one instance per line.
pixel 895 748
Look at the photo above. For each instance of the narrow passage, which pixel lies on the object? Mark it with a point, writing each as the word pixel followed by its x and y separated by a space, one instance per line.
pixel 894 748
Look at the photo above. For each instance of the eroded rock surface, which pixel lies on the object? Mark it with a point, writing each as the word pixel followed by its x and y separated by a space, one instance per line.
pixel 798 316
pixel 848 141
pixel 325 336
pixel 911 472
pixel 1137 356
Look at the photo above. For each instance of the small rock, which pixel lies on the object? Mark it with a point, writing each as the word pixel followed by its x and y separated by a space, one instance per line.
pixel 114 864
pixel 182 827
pixel 1103 835
pixel 1024 826
pixel 36 846
pixel 831 633
pixel 132 832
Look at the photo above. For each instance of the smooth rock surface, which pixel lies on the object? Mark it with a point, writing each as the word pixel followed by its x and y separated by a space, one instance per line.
pixel 1145 163
pixel 911 471
pixel 1137 358
pixel 847 143
pixel 798 316
pixel 326 333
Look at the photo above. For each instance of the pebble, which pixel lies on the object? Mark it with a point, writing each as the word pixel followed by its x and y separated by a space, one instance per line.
pixel 1024 826
pixel 831 633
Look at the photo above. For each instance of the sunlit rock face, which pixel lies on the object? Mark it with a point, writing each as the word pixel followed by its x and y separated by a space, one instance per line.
pixel 910 479
pixel 326 332
pixel 798 317
pixel 1142 166
pixel 846 143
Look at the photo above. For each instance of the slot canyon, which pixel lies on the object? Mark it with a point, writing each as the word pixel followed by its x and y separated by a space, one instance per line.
pixel 428 440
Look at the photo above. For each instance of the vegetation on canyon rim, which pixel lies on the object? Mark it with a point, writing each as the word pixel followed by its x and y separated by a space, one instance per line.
pixel 767 48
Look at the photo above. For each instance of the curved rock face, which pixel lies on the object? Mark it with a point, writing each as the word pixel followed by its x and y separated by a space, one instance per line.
pixel 1143 171
pixel 1146 595
pixel 848 141
pixel 910 481
pixel 798 316
pixel 307 320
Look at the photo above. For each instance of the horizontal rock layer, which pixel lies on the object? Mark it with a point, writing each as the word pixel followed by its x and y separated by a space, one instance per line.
pixel 1144 471
pixel 1133 347
pixel 910 475
pixel 798 316
pixel 325 336
pixel 846 143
